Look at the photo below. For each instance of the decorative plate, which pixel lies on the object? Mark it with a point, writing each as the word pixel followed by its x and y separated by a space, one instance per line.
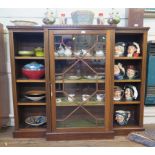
pixel 73 77
pixel 90 77
pixel 24 23
pixel 36 120
pixel 26 53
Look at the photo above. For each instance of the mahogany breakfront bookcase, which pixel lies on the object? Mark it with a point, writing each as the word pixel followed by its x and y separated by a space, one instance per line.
pixel 79 82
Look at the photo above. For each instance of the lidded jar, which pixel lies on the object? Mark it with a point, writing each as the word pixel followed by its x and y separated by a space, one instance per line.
pixel 49 17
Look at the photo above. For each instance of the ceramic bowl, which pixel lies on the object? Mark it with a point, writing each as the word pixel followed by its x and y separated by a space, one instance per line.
pixel 26 53
pixel 33 70
pixel 35 95
pixel 36 120
pixel 34 98
pixel 24 23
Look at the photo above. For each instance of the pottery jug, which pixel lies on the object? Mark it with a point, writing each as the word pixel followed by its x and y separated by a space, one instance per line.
pixel 122 117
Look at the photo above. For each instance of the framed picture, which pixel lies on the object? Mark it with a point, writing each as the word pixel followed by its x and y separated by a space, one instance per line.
pixel 149 12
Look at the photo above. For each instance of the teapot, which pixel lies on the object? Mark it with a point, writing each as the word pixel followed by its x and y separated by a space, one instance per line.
pixel 49 17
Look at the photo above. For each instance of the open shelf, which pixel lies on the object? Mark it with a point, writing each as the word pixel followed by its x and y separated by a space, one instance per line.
pixel 30 81
pixel 32 103
pixel 89 103
pixel 75 58
pixel 128 81
pixel 80 81
pixel 127 58
pixel 126 102
pixel 28 58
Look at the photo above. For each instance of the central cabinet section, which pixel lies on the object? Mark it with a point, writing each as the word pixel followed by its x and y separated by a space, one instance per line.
pixel 80 88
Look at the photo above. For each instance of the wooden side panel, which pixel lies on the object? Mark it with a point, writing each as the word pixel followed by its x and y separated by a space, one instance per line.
pixel 4 88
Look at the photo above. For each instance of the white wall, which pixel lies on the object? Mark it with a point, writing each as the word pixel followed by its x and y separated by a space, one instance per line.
pixel 6 15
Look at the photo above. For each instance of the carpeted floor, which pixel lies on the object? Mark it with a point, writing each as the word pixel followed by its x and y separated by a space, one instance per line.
pixel 6 140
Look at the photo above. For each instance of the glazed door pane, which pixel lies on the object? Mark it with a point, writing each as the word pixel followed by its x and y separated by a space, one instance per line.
pixel 80 80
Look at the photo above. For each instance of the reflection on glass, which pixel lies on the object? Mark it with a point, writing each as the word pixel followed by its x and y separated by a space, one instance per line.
pixel 80 75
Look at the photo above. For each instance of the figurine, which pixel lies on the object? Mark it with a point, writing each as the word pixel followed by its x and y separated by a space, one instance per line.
pixel 122 117
pixel 130 92
pixel 119 49
pixel 133 50
pixel 118 93
pixel 119 71
pixel 131 72
pixel 49 17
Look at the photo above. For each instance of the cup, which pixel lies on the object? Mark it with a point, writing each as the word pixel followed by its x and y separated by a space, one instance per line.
pixel 99 97
pixel 122 117
pixel 71 97
pixel 85 97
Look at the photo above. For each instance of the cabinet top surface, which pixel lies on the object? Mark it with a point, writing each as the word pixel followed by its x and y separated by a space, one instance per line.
pixel 70 27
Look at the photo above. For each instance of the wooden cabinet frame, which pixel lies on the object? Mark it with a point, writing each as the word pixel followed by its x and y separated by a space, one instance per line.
pixel 109 130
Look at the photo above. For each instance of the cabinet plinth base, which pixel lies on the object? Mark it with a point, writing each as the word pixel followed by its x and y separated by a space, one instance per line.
pixel 126 131
pixel 29 133
pixel 52 136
